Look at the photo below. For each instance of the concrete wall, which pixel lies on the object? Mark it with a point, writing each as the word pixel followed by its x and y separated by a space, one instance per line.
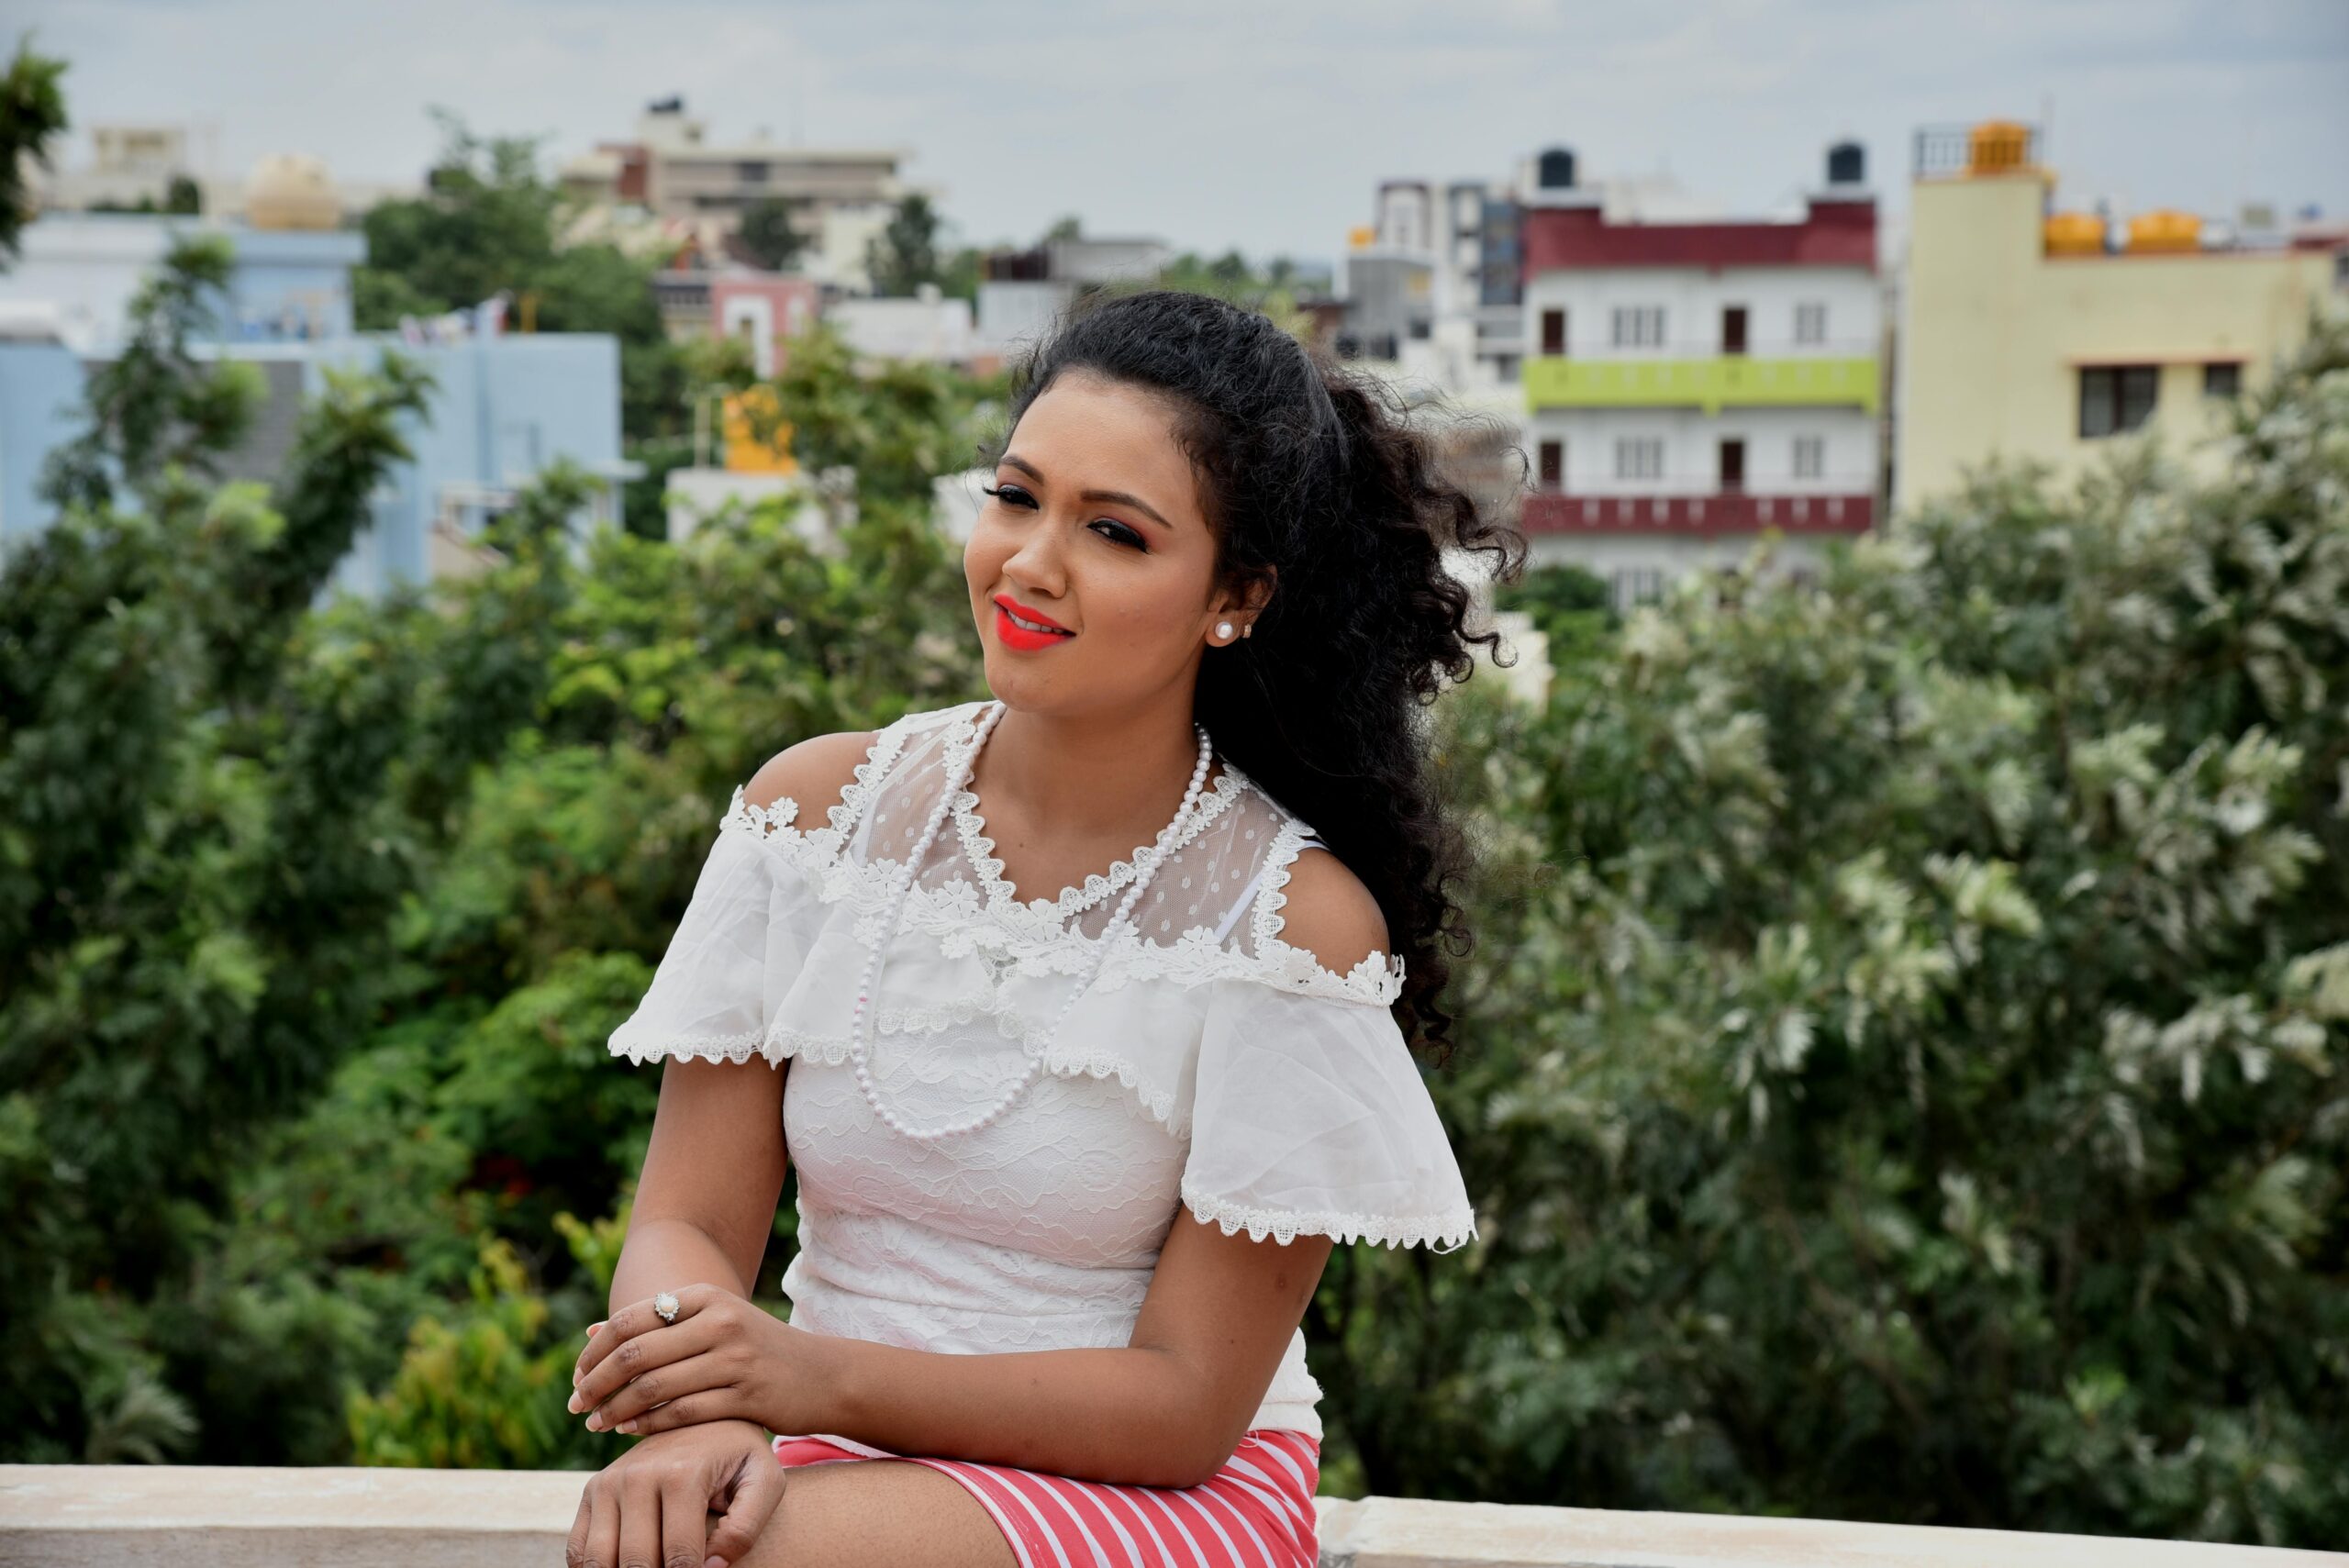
pixel 1692 448
pixel 1692 299
pixel 1995 330
pixel 65 1515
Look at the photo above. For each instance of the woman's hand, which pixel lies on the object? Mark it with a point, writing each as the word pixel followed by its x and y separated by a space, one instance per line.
pixel 723 1358
pixel 652 1504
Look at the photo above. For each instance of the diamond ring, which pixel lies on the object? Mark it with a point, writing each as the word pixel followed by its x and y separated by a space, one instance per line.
pixel 666 1305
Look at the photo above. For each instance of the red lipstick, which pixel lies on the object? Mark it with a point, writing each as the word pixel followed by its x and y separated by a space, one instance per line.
pixel 1012 635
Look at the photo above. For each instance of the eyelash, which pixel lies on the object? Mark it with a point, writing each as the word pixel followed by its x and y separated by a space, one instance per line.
pixel 1137 539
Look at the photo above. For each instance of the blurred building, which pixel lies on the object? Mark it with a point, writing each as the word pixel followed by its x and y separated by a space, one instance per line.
pixel 1022 290
pixel 502 409
pixel 82 270
pixel 135 166
pixel 1688 386
pixel 2031 332
pixel 690 187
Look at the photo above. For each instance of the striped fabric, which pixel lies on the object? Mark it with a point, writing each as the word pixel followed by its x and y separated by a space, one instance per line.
pixel 1256 1513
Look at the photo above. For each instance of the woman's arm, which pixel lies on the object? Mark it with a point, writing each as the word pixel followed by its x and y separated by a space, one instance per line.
pixel 1170 1408
pixel 713 1173
pixel 1166 1410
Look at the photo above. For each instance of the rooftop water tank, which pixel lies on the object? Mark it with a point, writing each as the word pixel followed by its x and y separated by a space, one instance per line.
pixel 1847 164
pixel 2164 230
pixel 1998 147
pixel 2075 234
pixel 1556 171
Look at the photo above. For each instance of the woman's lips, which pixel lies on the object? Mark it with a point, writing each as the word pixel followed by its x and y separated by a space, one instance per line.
pixel 1013 635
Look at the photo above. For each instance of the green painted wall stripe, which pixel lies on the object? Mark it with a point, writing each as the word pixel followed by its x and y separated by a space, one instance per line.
pixel 1731 382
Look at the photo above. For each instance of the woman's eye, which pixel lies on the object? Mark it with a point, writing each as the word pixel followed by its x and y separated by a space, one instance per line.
pixel 1013 495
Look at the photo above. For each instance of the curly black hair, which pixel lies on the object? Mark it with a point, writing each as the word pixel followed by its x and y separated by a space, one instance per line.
pixel 1319 474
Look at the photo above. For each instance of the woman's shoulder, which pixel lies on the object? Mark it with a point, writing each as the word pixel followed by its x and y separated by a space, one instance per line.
pixel 1326 910
pixel 821 772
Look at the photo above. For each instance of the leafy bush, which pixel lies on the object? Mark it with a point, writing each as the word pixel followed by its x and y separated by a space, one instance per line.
pixel 1911 1013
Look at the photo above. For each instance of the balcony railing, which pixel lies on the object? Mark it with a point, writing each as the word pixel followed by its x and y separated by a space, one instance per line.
pixel 1724 380
pixel 1701 517
pixel 67 1516
pixel 1946 152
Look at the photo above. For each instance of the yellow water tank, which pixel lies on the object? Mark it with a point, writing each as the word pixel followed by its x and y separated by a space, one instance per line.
pixel 2164 230
pixel 1359 237
pixel 2075 234
pixel 757 440
pixel 1998 147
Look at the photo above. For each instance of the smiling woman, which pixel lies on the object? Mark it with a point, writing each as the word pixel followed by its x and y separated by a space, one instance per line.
pixel 1087 1048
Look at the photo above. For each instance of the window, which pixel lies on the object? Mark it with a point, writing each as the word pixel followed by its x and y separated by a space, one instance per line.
pixel 2222 380
pixel 1810 457
pixel 1635 584
pixel 1553 466
pixel 751 173
pixel 1733 474
pixel 1554 331
pixel 1811 323
pixel 1638 457
pixel 1637 327
pixel 1732 329
pixel 2114 398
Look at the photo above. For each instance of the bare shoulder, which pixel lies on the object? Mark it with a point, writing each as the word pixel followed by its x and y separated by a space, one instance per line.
pixel 1329 913
pixel 815 773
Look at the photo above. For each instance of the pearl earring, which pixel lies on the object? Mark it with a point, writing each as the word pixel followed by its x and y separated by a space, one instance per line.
pixel 1223 628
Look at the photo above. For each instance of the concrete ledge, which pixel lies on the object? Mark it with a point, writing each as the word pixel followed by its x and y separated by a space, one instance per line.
pixel 54 1516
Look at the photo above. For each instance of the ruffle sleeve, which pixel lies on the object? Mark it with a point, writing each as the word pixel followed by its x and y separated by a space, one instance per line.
pixel 754 914
pixel 1310 1115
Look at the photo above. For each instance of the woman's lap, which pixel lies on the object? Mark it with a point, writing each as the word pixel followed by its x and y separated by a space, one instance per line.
pixel 1257 1512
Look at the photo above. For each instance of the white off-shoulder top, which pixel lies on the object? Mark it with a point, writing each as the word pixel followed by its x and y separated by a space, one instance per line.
pixel 1210 1065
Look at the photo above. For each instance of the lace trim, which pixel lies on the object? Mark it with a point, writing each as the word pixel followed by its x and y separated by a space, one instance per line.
pixel 978 846
pixel 784 1043
pixel 821 849
pixel 1457 1229
pixel 1033 940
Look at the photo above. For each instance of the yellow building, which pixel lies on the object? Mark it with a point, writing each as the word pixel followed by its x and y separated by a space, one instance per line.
pixel 2030 333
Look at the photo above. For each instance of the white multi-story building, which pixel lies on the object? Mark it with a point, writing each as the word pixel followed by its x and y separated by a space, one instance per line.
pixel 1689 385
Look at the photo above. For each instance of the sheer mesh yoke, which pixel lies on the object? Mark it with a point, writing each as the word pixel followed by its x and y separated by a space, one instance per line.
pixel 1210 1065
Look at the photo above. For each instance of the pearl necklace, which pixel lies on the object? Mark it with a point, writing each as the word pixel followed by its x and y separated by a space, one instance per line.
pixel 1146 862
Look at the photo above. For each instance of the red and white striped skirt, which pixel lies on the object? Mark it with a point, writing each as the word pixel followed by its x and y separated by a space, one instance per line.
pixel 1257 1511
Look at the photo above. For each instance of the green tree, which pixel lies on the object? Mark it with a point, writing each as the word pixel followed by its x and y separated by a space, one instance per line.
pixel 490 221
pixel 771 232
pixel 1910 1057
pixel 905 254
pixel 32 116
pixel 193 887
pixel 1571 605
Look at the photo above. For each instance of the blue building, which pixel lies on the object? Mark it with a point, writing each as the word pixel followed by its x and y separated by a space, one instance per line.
pixel 504 407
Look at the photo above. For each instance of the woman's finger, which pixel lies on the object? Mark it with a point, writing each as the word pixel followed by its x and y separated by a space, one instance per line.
pixel 750 1497
pixel 603 1522
pixel 661 1385
pixel 636 1319
pixel 642 1357
pixel 685 1515
pixel 710 1405
pixel 639 1516
pixel 574 1545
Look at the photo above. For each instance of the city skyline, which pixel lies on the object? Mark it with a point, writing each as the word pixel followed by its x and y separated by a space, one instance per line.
pixel 1270 134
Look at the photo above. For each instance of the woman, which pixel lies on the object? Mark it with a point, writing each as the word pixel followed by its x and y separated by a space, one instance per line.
pixel 1047 973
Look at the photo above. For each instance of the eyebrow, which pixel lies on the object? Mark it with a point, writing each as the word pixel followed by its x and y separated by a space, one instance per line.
pixel 1120 496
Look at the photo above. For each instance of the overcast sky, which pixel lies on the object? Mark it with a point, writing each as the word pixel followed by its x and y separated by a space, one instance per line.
pixel 1260 124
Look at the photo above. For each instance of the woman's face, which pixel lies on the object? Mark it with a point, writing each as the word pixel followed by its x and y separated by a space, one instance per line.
pixel 1097 526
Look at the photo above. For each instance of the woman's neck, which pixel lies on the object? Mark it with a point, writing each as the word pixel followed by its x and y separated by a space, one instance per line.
pixel 1090 774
